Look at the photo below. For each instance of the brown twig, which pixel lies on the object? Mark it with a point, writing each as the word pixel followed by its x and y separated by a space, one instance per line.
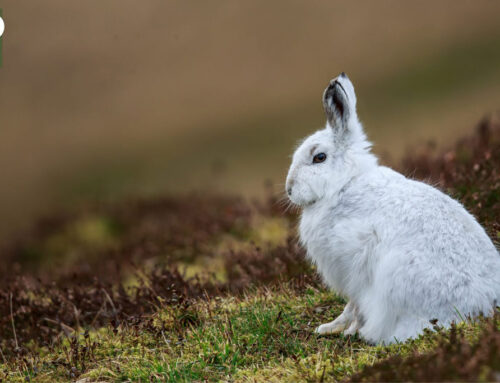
pixel 115 312
pixel 12 321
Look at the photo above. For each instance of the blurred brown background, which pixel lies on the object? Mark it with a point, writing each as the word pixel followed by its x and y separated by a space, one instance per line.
pixel 100 99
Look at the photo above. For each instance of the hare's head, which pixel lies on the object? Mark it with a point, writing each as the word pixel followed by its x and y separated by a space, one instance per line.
pixel 328 159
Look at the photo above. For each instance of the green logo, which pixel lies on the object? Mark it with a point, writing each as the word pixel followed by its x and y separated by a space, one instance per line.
pixel 2 29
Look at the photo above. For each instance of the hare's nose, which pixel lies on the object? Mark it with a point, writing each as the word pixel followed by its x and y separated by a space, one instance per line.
pixel 289 191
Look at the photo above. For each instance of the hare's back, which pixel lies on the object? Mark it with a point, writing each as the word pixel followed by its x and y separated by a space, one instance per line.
pixel 420 217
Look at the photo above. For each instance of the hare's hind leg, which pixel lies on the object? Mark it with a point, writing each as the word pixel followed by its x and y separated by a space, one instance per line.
pixel 409 327
pixel 340 323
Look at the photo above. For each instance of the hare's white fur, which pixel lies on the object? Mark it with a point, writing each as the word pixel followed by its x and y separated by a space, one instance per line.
pixel 402 252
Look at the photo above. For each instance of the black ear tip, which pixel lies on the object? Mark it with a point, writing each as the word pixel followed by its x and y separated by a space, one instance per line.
pixel 333 100
pixel 343 74
pixel 329 90
pixel 328 94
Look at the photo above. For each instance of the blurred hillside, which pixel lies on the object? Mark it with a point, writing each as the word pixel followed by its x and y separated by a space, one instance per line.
pixel 100 99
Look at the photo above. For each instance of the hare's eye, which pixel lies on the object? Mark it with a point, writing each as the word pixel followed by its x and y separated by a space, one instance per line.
pixel 320 157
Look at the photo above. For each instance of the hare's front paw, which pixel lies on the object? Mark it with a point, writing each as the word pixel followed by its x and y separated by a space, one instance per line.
pixel 353 328
pixel 342 322
pixel 330 328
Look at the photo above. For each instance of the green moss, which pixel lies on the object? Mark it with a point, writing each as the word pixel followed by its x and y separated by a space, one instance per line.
pixel 78 240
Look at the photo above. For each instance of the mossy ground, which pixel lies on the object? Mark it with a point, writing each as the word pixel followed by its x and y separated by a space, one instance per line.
pixel 267 335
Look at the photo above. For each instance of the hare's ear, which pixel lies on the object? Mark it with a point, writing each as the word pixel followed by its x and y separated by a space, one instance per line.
pixel 339 101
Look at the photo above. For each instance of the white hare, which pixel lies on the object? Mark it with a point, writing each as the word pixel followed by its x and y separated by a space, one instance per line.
pixel 402 252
